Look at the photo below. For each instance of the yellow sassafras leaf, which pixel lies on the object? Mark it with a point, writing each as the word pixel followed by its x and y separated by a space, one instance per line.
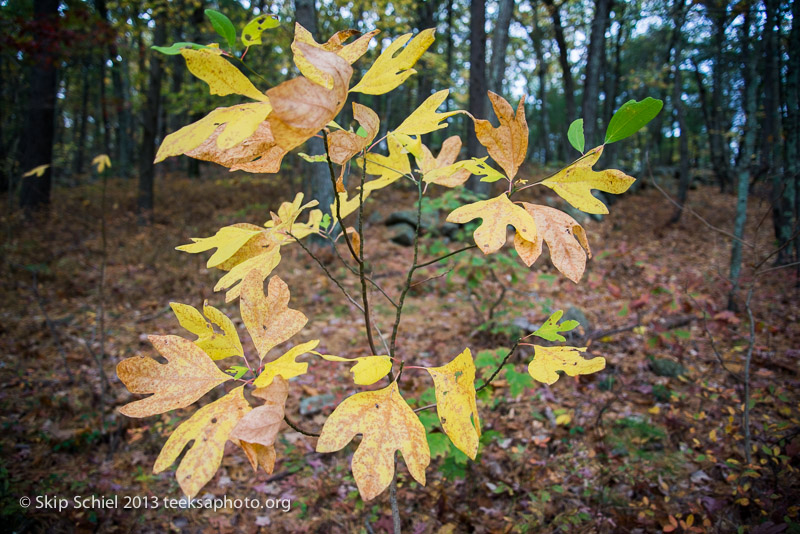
pixel 37 171
pixel 392 68
pixel 548 360
pixel 575 183
pixel 455 402
pixel 496 213
pixel 387 424
pixel 424 119
pixel 367 370
pixel 563 235
pixel 268 318
pixel 188 375
pixel 259 266
pixel 389 168
pixel 350 52
pixel 102 161
pixel 228 240
pixel 346 207
pixel 221 76
pixel 508 143
pixel 209 427
pixel 218 346
pixel 240 123
pixel 286 366
pixel 343 145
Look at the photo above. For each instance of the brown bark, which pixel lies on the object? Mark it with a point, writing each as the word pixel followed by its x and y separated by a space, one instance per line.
pixel 591 84
pixel 477 85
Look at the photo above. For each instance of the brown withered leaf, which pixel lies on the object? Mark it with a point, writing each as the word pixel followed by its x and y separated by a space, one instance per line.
pixel 300 107
pixel 268 318
pixel 258 153
pixel 261 425
pixel 189 374
pixel 563 235
pixel 508 143
pixel 343 145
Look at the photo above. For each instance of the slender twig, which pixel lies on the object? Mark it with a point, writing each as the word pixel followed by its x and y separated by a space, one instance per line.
pixel 444 257
pixel 423 408
pixel 360 251
pixel 298 429
pixel 393 500
pixel 354 271
pixel 714 348
pixel 698 216
pixel 52 327
pixel 358 257
pixel 502 364
pixel 409 275
pixel 747 360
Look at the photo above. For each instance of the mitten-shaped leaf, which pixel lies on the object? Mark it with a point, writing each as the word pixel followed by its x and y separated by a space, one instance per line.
pixel 496 214
pixel 350 52
pixel 387 424
pixel 455 402
pixel 216 345
pixel 575 183
pixel 228 240
pixel 268 318
pixel 424 119
pixel 240 122
pixel 344 206
pixel 392 68
pixel 563 235
pixel 188 375
pixel 508 143
pixel 286 366
pixel 209 427
pixel 221 76
pixel 367 370
pixel 258 267
pixel 550 328
pixel 548 360
pixel 442 170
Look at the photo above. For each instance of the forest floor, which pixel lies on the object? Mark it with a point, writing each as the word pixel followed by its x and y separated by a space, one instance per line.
pixel 653 443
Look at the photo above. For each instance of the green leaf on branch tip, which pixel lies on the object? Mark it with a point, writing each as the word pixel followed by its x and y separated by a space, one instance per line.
pixel 175 49
pixel 630 118
pixel 575 135
pixel 325 222
pixel 223 26
pixel 550 328
pixel 251 34
pixel 238 371
pixel 319 158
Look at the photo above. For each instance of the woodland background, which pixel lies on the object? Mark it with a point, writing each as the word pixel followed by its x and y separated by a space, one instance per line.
pixel 692 295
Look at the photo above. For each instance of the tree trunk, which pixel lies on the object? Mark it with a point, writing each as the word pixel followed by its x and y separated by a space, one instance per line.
pixel 747 143
pixel 497 68
pixel 684 179
pixel 39 128
pixel 449 50
pixel 477 85
pixel 316 177
pixel 611 79
pixel 147 152
pixel 591 84
pixel 80 149
pixel 563 60
pixel 720 150
pixel 541 73
pixel 792 123
pixel 425 19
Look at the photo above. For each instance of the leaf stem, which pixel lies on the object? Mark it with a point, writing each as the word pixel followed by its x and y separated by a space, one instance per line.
pixel 298 429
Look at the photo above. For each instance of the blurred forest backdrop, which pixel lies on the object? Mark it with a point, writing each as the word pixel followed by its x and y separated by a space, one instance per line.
pixel 80 79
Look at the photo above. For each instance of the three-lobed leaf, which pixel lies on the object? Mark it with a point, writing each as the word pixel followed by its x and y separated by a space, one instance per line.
pixel 508 143
pixel 287 365
pixel 425 119
pixel 387 424
pixel 217 345
pixel 548 361
pixel 188 375
pixel 496 214
pixel 268 318
pixel 394 65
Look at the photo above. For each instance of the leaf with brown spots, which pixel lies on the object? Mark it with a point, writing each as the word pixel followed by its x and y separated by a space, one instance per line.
pixel 343 145
pixel 548 360
pixel 218 345
pixel 222 77
pixel 188 375
pixel 563 235
pixel 575 182
pixel 496 214
pixel 387 424
pixel 209 427
pixel 350 52
pixel 268 318
pixel 455 402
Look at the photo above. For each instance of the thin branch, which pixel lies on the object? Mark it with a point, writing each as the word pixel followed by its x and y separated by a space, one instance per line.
pixel 393 500
pixel 423 408
pixel 502 364
pixel 298 429
pixel 698 216
pixel 747 360
pixel 440 258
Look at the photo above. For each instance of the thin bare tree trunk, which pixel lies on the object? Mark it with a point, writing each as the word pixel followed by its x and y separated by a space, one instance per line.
pixel 591 87
pixel 566 70
pixel 497 68
pixel 477 85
